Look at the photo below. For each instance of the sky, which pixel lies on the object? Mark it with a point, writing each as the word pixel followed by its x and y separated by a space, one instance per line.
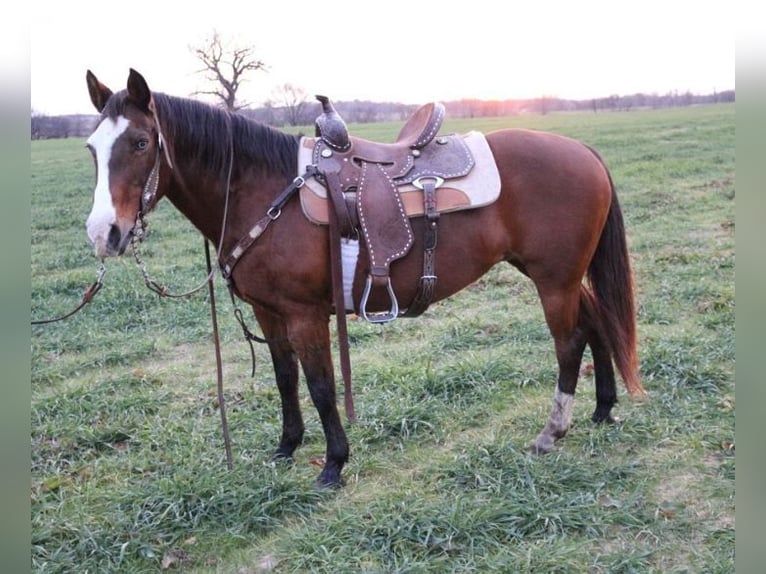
pixel 410 51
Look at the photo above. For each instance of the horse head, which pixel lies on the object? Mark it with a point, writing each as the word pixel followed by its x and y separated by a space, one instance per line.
pixel 126 148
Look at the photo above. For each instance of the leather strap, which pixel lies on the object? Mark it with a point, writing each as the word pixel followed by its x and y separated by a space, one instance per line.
pixel 425 293
pixel 218 361
pixel 87 297
pixel 272 213
pixel 330 170
pixel 339 218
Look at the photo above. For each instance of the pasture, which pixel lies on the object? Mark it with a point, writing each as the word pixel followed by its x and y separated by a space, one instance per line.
pixel 128 468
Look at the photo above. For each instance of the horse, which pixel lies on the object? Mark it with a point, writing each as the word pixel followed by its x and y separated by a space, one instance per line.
pixel 557 219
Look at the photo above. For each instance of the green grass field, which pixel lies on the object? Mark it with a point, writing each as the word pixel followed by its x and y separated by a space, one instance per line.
pixel 128 467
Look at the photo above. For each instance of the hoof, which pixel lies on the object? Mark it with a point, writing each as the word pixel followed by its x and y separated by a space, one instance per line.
pixel 600 419
pixel 330 477
pixel 329 484
pixel 541 445
pixel 281 458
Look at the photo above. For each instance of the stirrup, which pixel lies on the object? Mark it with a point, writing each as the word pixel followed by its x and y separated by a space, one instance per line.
pixel 384 316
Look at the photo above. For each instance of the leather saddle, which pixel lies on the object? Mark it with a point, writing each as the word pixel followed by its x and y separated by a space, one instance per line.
pixel 362 179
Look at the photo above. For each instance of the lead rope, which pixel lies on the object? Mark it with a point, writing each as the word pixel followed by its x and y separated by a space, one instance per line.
pixel 218 361
pixel 148 199
pixel 87 297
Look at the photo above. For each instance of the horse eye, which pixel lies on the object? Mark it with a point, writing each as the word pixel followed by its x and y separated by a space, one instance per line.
pixel 142 144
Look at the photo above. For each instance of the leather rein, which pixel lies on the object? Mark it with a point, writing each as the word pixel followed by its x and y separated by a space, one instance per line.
pixel 87 297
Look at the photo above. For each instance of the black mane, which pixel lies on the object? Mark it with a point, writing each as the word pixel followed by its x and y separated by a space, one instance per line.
pixel 201 132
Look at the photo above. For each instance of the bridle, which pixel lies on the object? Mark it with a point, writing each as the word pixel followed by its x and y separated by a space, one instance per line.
pixel 149 200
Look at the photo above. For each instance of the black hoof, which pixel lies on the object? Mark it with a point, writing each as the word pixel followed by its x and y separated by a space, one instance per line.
pixel 330 478
pixel 600 417
pixel 324 484
pixel 282 458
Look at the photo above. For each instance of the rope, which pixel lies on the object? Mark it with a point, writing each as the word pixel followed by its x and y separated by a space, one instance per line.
pixel 87 297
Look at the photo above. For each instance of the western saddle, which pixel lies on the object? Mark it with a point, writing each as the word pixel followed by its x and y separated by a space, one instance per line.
pixel 362 177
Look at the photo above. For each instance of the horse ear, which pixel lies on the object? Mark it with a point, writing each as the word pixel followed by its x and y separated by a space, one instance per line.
pixel 138 90
pixel 99 93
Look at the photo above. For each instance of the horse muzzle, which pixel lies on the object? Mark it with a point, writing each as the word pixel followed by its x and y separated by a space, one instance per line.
pixel 111 241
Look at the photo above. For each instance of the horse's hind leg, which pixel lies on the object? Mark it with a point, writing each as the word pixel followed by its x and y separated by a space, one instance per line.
pixel 570 337
pixel 606 387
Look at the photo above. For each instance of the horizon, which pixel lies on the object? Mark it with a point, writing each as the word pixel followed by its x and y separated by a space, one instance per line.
pixel 456 101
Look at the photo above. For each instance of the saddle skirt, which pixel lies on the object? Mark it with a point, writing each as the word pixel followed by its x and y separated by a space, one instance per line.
pixel 480 187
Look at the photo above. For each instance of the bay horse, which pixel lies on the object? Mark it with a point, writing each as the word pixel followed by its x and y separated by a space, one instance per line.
pixel 557 219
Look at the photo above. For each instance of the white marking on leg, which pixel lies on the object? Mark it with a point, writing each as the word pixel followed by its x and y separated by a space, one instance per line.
pixel 103 215
pixel 349 249
pixel 561 413
pixel 558 423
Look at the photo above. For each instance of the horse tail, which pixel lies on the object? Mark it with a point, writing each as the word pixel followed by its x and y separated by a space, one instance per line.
pixel 611 281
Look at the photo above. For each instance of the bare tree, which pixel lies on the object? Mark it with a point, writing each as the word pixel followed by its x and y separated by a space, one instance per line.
pixel 294 101
pixel 226 68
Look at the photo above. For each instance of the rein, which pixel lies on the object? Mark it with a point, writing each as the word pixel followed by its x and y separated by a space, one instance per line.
pixel 148 201
pixel 87 297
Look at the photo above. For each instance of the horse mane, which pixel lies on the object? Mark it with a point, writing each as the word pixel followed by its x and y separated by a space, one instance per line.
pixel 203 133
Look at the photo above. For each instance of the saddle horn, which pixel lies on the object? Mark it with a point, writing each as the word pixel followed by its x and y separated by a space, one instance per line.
pixel 331 127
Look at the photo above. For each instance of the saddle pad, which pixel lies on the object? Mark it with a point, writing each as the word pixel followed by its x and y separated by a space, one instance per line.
pixel 477 189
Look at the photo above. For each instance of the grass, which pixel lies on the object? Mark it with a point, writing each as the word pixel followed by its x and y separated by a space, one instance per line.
pixel 128 470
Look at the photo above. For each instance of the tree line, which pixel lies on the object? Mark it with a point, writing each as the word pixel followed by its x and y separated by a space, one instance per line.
pixel 301 112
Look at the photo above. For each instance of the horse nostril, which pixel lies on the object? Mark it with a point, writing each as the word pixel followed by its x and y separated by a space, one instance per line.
pixel 113 241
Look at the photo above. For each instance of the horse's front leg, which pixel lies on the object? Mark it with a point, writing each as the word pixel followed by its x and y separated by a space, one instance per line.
pixel 286 371
pixel 310 337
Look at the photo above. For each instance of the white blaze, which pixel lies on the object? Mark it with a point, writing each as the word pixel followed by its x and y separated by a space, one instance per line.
pixel 103 214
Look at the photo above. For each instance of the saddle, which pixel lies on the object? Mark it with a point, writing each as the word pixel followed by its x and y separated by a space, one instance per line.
pixel 362 178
